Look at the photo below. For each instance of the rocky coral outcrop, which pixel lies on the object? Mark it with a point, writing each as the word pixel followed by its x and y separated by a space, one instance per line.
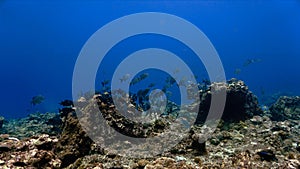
pixel 73 142
pixel 241 103
pixel 286 108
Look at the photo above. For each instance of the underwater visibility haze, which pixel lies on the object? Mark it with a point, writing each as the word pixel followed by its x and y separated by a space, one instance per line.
pixel 141 84
pixel 257 42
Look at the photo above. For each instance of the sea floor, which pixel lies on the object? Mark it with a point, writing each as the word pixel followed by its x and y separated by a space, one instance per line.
pixel 29 144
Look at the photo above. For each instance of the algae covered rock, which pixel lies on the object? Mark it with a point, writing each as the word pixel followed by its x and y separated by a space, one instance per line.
pixel 286 108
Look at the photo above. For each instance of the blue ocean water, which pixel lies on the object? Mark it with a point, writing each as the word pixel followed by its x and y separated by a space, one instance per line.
pixel 40 42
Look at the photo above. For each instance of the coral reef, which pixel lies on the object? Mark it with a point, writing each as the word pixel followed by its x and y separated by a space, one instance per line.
pixel 286 108
pixel 245 138
pixel 241 103
pixel 34 124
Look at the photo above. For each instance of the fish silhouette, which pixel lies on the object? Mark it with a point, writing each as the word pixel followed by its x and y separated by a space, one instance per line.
pixel 267 155
pixel 37 100
pixel 251 61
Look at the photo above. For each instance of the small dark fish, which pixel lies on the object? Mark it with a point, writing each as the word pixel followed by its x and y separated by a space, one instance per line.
pixel 105 82
pixel 125 77
pixel 206 82
pixel 134 81
pixel 143 93
pixel 237 71
pixel 67 103
pixel 144 76
pixel 145 105
pixel 139 78
pixel 164 89
pixel 267 155
pixel 133 97
pixel 37 100
pixel 298 148
pixel 262 91
pixel 170 81
pixel 251 61
pixel 183 82
pixel 151 85
pixel 177 70
pixel 169 94
pixel 105 88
